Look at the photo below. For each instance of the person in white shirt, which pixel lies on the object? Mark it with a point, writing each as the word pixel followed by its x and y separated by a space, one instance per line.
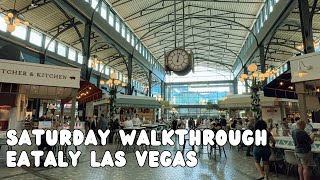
pixel 136 121
pixel 127 123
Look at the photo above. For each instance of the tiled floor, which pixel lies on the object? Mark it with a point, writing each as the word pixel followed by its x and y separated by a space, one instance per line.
pixel 236 166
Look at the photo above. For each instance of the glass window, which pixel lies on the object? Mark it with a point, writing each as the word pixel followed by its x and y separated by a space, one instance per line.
pixel 265 14
pixel 111 18
pixel 72 54
pixel 137 45
pixel 36 38
pixel 123 30
pixel 147 53
pixel 107 70
pixel 117 24
pixel 128 36
pixel 133 40
pixel 103 11
pixel 101 66
pixel 140 49
pixel 143 51
pixel 270 7
pixel 94 4
pixel 20 32
pixel 62 50
pixel 3 25
pixel 52 45
pixel 80 58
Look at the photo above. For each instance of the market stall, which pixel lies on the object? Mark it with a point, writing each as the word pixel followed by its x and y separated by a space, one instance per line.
pixel 275 108
pixel 128 106
pixel 52 86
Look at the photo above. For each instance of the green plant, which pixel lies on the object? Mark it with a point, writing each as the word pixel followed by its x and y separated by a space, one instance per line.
pixel 255 98
pixel 113 97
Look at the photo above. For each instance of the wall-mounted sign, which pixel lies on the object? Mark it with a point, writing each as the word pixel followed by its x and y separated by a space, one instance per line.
pixel 305 67
pixel 38 74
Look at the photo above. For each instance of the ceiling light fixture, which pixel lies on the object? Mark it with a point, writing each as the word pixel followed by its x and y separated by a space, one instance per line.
pixel 12 19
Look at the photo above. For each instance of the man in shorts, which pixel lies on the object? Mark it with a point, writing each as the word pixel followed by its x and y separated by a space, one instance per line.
pixel 303 142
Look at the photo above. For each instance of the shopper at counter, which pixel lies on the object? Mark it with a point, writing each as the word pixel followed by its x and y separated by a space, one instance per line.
pixel 136 121
pixel 302 142
pixel 127 123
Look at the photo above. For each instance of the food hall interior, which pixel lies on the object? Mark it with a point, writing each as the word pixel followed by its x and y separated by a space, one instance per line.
pixel 155 65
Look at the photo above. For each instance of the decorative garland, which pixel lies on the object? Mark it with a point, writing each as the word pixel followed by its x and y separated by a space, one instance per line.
pixel 255 99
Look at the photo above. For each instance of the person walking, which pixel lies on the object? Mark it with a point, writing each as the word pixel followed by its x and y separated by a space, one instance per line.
pixel 263 152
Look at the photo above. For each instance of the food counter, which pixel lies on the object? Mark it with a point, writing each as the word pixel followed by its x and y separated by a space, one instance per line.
pixel 286 142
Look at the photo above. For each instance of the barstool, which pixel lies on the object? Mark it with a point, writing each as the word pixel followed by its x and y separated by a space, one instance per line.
pixel 290 159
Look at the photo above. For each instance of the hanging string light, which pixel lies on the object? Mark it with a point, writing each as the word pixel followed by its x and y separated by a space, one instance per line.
pixel 12 19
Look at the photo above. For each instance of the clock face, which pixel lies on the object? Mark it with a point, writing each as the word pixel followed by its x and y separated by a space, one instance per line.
pixel 178 60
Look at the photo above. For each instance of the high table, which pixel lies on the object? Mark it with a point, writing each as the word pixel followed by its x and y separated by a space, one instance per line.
pixel 286 143
pixel 149 126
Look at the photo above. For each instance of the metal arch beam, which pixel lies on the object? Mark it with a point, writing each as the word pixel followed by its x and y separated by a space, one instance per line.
pixel 204 18
pixel 188 6
pixel 190 36
pixel 42 60
pixel 39 3
pixel 68 17
pixel 287 46
pixel 80 10
pixel 216 62
pixel 63 25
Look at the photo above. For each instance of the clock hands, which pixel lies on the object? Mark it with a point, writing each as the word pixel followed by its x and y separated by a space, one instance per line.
pixel 178 57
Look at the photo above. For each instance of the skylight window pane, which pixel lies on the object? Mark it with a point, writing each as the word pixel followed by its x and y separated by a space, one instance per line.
pixel 20 32
pixel 270 8
pixel 107 71
pixel 128 36
pixel 132 40
pixel 103 11
pixel 111 18
pixel 117 25
pixel 101 68
pixel 72 54
pixel 80 58
pixel 97 67
pixel 35 38
pixel 51 46
pixel 123 31
pixel 94 3
pixel 62 50
pixel 3 25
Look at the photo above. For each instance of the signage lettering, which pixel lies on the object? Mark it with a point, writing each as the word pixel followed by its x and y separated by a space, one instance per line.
pixel 40 75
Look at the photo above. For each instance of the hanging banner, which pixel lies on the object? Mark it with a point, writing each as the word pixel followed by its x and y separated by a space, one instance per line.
pixel 38 74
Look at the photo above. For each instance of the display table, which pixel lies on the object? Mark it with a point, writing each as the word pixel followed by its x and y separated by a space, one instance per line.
pixel 286 142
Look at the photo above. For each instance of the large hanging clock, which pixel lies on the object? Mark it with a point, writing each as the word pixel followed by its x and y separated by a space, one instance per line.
pixel 179 61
